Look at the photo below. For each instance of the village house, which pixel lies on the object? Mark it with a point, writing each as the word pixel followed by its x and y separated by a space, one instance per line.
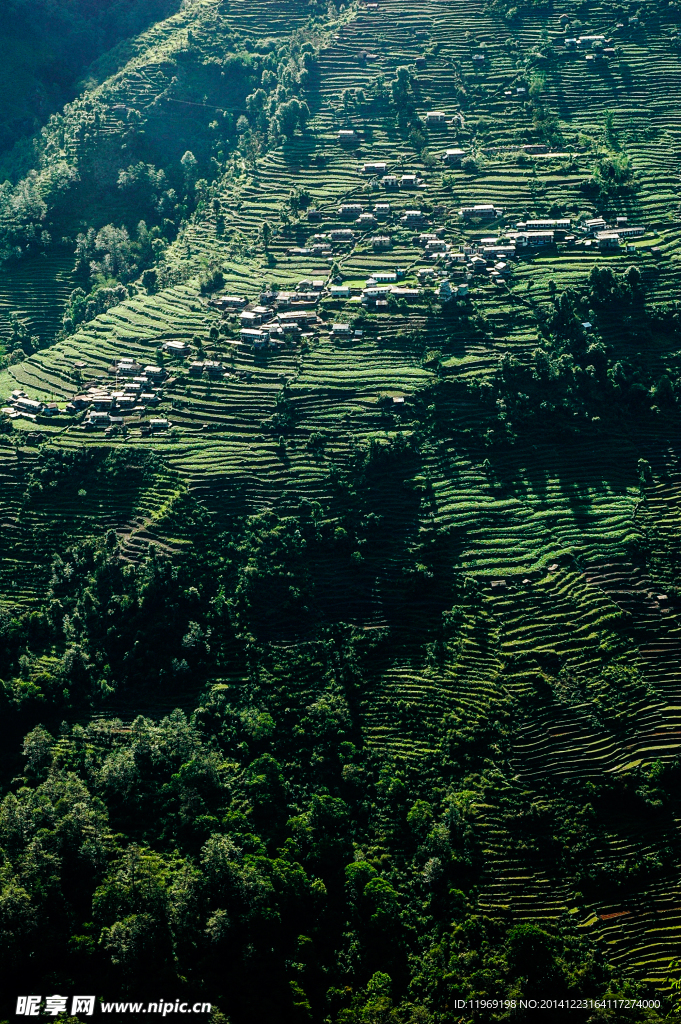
pixel 232 301
pixel 253 336
pixel 339 291
pixel 348 210
pixel 379 168
pixel 264 312
pixel 97 419
pixel 297 316
pixel 155 372
pixel 158 423
pixel 28 405
pixel 382 210
pixel 313 214
pixel 593 225
pixel 373 292
pixel 426 274
pixel 128 366
pixel 436 245
pixel 123 404
pixel 535 148
pixel 213 367
pixel 342 330
pixel 410 294
pixel 630 231
pixel 588 42
pixel 453 157
pixel 281 333
pixel 77 403
pixel 533 239
pixel 484 211
pixel 381 242
pixel 175 348
pixel 366 220
pixel 607 240
pixel 249 318
pixel 382 277
pixel 414 217
pixel 102 401
pixel 390 181
pixel 436 119
pixel 347 136
pixel 562 224
pixel 409 181
pixel 306 299
pixel 502 249
pixel 341 235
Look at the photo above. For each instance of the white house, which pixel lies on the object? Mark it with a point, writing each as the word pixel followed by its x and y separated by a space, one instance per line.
pixel 453 157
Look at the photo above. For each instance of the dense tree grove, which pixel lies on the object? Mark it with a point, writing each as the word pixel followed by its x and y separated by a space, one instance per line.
pixel 275 736
pixel 251 847
pixel 56 43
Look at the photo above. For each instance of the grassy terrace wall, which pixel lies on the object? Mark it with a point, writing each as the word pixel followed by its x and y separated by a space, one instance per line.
pixel 557 520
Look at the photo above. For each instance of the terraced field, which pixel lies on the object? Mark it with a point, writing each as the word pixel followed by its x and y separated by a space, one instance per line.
pixel 36 291
pixel 548 531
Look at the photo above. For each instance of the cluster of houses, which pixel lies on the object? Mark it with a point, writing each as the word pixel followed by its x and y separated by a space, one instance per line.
pixel 278 318
pixel 20 405
pixel 434 119
pixel 536 233
pixel 104 407
pixel 609 237
pixel 597 47
pixel 285 316
pixel 594 232
pixel 133 392
pixel 491 255
pixel 364 221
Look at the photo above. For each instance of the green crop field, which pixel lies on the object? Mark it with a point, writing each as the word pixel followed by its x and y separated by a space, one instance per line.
pixel 365 656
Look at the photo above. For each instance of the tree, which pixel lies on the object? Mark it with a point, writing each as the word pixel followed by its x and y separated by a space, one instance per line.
pixel 290 115
pixel 400 86
pixel 189 169
pixel 266 232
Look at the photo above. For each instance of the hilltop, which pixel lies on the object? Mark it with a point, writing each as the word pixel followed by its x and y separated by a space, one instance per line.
pixel 340 505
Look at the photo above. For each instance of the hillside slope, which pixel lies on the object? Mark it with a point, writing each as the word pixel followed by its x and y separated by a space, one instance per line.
pixel 416 575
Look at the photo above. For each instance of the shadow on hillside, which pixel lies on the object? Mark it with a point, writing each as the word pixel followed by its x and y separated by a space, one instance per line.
pixel 299 152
